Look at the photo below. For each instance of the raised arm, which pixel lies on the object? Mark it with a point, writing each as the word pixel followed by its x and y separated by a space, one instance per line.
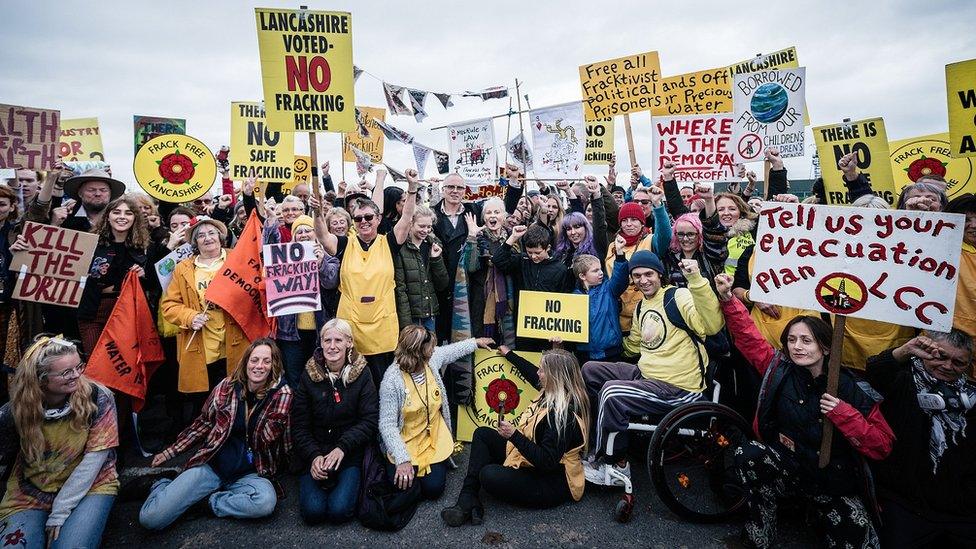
pixel 402 228
pixel 378 196
pixel 749 341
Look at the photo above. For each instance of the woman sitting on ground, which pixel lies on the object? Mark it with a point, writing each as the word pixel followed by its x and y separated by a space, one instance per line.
pixel 539 465
pixel 245 428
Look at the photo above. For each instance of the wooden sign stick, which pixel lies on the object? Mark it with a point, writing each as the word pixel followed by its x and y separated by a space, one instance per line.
pixel 313 153
pixel 767 166
pixel 833 380
pixel 630 141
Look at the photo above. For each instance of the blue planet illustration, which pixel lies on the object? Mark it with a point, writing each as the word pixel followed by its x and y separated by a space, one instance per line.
pixel 769 103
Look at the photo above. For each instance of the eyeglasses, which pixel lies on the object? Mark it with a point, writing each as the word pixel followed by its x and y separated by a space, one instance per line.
pixel 71 373
pixel 202 201
pixel 360 218
pixel 643 202
pixel 686 236
pixel 453 188
pixel 209 234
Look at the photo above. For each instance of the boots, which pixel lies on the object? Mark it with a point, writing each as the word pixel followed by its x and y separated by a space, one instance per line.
pixel 467 509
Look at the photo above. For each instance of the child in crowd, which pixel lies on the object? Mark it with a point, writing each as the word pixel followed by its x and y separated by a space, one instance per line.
pixel 605 340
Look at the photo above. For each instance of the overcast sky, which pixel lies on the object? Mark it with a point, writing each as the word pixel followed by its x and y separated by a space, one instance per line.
pixel 190 59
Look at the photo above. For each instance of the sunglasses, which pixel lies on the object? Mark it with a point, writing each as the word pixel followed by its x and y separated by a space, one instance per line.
pixel 202 201
pixel 643 202
pixel 360 218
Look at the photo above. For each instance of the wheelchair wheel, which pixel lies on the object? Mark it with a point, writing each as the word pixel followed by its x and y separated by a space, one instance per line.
pixel 690 461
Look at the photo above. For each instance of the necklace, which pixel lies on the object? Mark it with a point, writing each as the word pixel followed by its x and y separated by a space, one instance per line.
pixel 424 401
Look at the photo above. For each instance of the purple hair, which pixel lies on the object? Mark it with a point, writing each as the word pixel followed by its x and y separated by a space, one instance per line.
pixel 564 246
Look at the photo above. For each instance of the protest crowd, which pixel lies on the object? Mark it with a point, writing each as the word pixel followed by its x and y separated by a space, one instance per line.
pixel 327 331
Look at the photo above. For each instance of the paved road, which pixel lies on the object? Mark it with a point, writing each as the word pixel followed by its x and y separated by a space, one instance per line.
pixel 585 524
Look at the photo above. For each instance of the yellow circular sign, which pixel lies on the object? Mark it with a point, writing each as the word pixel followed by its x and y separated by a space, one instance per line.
pixel 912 159
pixel 175 168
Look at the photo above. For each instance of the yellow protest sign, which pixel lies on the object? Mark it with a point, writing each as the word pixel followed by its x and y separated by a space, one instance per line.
pixel 81 140
pixel 599 141
pixel 175 168
pixel 702 92
pixel 302 172
pixel 306 67
pixel 497 386
pixel 620 86
pixel 547 315
pixel 961 97
pixel 371 144
pixel 916 157
pixel 255 150
pixel 782 59
pixel 868 139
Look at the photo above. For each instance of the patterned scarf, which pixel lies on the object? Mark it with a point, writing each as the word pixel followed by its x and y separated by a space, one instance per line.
pixel 951 422
pixel 461 329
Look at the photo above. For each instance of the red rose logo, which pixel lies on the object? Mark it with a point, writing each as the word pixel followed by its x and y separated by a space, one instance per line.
pixel 925 166
pixel 502 392
pixel 176 168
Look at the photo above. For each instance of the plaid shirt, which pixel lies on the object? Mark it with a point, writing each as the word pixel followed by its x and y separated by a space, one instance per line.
pixel 271 439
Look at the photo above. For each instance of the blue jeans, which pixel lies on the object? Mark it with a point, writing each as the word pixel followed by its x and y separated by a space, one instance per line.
pixel 432 484
pixel 82 529
pixel 250 496
pixel 336 505
pixel 426 322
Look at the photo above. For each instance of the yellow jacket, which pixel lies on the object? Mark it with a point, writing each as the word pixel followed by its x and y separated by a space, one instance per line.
pixel 180 304
pixel 669 355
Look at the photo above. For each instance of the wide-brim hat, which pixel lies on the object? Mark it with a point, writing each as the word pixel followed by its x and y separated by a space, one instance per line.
pixel 201 220
pixel 73 185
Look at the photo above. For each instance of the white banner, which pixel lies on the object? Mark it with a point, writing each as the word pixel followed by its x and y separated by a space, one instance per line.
pixel 894 266
pixel 769 112
pixel 165 266
pixel 558 140
pixel 472 150
pixel 700 145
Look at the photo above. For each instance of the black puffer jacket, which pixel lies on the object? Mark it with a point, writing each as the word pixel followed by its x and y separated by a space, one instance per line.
pixel 326 416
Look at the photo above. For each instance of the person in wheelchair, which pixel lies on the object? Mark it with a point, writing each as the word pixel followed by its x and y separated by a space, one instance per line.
pixel 927 486
pixel 784 462
pixel 670 370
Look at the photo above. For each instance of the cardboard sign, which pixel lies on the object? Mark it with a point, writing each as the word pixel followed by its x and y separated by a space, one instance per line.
pixel 916 157
pixel 868 139
pixel 255 150
pixel 472 151
pixel 29 137
pixel 961 98
pixel 148 128
pixel 302 172
pixel 306 67
pixel 599 141
pixel 701 146
pixel 557 140
pixel 164 267
pixel 81 140
pixel 497 386
pixel 175 168
pixel 769 108
pixel 893 266
pixel 371 144
pixel 782 59
pixel 545 315
pixel 620 86
pixel 54 269
pixel 291 274
pixel 702 92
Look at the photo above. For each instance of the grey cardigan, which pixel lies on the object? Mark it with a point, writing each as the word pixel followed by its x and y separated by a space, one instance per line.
pixel 393 394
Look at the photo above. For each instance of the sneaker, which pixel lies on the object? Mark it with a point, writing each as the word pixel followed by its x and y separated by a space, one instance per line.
pixel 599 473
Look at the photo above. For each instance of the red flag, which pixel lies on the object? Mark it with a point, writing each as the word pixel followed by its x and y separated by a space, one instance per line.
pixel 238 288
pixel 128 350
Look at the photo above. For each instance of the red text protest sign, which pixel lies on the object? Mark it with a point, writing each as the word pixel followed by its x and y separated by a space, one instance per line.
pixel 888 265
pixel 700 145
pixel 29 137
pixel 55 266
pixel 291 274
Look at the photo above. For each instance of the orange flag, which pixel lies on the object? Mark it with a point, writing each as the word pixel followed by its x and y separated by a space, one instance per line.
pixel 128 351
pixel 238 288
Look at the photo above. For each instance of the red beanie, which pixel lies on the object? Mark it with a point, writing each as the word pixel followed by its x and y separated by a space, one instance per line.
pixel 631 210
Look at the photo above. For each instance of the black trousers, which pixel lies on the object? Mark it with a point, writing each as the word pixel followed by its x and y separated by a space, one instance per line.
pixel 903 529
pixel 377 366
pixel 524 487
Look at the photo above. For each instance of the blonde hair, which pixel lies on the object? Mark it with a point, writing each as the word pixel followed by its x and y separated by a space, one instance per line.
pixel 423 211
pixel 27 395
pixel 353 358
pixel 564 391
pixel 239 375
pixel 338 212
pixel 414 348
pixel 583 263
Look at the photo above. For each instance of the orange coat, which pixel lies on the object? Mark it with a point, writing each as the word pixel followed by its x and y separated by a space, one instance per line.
pixel 180 304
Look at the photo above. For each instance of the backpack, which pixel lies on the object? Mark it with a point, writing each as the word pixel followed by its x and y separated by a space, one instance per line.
pixel 715 345
pixel 383 506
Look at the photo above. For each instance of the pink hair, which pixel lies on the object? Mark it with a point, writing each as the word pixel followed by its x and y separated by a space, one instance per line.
pixel 695 222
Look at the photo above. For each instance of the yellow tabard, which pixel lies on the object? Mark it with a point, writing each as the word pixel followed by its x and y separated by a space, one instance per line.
pixel 368 301
pixel 425 432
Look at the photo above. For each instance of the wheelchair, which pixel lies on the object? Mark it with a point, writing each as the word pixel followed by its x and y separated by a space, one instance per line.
pixel 689 459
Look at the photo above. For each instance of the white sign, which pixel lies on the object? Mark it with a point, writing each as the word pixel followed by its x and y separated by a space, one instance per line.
pixel 701 146
pixel 472 151
pixel 894 266
pixel 165 266
pixel 769 107
pixel 558 140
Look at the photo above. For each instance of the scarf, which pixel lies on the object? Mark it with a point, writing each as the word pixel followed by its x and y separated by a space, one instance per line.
pixel 497 318
pixel 461 330
pixel 947 425
pixel 633 240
